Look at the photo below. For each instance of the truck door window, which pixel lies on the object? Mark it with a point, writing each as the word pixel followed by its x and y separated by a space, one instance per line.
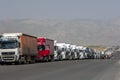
pixel 63 49
pixel 56 48
pixel 41 47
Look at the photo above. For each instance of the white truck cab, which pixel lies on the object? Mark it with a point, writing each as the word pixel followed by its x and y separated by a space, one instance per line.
pixel 61 51
pixel 68 51
pixel 9 47
pixel 74 52
pixel 55 50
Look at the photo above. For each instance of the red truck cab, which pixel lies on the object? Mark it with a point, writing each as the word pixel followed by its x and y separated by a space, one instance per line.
pixel 44 47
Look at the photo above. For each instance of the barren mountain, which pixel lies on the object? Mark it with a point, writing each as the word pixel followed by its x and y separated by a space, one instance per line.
pixel 77 31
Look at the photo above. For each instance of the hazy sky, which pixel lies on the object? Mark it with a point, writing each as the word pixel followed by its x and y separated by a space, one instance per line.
pixel 60 9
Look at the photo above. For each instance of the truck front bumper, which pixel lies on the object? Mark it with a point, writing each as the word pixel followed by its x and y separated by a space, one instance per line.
pixel 9 58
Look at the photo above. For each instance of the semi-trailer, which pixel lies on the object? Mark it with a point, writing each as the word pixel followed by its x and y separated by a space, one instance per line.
pixel 17 48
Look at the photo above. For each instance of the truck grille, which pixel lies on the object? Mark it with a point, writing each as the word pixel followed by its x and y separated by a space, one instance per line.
pixel 8 53
pixel 8 58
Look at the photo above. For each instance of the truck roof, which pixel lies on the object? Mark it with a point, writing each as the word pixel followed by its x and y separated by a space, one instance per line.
pixel 44 38
pixel 16 34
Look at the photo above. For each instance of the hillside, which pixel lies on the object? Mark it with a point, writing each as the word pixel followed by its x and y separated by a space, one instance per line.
pixel 76 31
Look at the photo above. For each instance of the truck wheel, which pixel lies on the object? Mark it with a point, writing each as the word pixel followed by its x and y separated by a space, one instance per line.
pixel 2 63
pixel 32 60
pixel 45 59
pixel 78 56
pixel 72 56
pixel 60 57
pixel 49 58
pixel 52 58
pixel 18 62
pixel 9 63
pixel 67 57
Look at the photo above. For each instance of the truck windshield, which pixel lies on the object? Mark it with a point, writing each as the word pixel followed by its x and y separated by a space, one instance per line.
pixel 87 51
pixel 41 47
pixel 8 44
pixel 55 48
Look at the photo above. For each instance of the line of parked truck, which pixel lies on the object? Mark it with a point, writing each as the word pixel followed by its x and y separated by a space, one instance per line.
pixel 22 48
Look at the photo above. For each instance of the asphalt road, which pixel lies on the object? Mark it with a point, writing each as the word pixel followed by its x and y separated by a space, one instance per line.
pixel 64 70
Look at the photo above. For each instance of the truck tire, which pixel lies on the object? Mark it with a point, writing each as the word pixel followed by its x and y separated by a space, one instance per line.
pixel 49 58
pixel 67 57
pixel 18 62
pixel 45 59
pixel 2 63
pixel 8 63
pixel 60 57
pixel 52 58
pixel 73 57
pixel 23 60
pixel 70 57
pixel 32 60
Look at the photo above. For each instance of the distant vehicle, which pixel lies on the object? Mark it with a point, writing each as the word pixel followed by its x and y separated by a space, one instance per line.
pixel 74 53
pixel 85 51
pixel 108 54
pixel 61 54
pixel 45 49
pixel 81 52
pixel 90 53
pixel 17 48
pixel 68 51
pixel 97 54
pixel 55 50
